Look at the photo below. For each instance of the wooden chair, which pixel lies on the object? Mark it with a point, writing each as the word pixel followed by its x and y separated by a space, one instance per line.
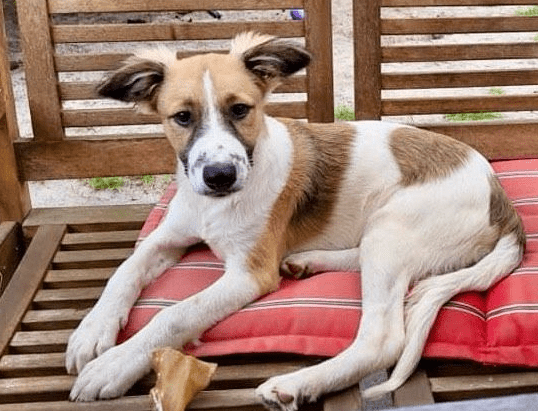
pixel 59 259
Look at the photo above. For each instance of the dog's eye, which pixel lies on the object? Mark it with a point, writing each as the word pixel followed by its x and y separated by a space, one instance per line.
pixel 183 118
pixel 239 111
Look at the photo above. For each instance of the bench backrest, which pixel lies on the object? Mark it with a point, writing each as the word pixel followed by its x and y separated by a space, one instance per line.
pixel 74 137
pixel 432 62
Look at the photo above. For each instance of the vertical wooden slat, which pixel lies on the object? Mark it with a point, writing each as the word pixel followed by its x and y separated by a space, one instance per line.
pixel 39 66
pixel 27 279
pixel 14 194
pixel 318 39
pixel 11 251
pixel 415 391
pixel 5 82
pixel 367 54
pixel 347 400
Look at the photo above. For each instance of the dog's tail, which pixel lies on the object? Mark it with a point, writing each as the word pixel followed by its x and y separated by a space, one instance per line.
pixel 430 294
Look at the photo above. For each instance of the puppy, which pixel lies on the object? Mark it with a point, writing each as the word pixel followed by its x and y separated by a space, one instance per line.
pixel 409 208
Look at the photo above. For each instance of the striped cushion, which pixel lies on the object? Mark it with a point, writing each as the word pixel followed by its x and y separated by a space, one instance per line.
pixel 320 315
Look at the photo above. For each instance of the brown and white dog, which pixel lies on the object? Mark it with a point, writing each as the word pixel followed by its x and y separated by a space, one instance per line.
pixel 405 206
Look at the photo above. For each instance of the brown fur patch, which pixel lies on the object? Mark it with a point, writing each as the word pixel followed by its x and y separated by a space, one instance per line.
pixel 502 214
pixel 303 209
pixel 424 156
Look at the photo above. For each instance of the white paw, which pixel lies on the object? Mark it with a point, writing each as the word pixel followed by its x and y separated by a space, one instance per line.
pixel 95 335
pixel 111 374
pixel 301 264
pixel 279 393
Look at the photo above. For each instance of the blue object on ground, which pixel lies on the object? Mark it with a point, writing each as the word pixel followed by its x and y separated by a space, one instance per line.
pixel 297 14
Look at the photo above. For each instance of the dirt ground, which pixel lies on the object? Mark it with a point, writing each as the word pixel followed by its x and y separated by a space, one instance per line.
pixel 78 192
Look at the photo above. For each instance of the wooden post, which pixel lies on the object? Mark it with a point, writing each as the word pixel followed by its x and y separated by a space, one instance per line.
pixel 320 72
pixel 367 39
pixel 41 77
pixel 14 194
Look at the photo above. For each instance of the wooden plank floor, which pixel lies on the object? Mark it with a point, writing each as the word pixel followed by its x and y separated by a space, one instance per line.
pixel 71 256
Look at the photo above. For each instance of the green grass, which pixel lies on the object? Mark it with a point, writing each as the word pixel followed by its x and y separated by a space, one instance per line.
pixel 344 113
pixel 482 116
pixel 529 11
pixel 497 91
pixel 106 183
pixel 148 179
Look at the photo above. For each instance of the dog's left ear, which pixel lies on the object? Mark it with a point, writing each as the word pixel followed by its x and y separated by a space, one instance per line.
pixel 275 59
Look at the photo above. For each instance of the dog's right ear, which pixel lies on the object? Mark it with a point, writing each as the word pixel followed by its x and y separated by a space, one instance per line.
pixel 137 81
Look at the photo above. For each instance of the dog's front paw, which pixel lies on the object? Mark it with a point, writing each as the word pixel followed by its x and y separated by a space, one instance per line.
pixel 95 335
pixel 279 393
pixel 111 374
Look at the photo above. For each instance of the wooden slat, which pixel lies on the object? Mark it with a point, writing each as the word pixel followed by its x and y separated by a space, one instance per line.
pixel 424 3
pixel 84 6
pixel 11 251
pixel 44 388
pixel 460 79
pixel 68 260
pixel 409 106
pixel 29 365
pixel 88 219
pixel 7 100
pixel 141 403
pixel 206 400
pixel 458 25
pixel 39 69
pixel 86 90
pixel 127 116
pixel 495 140
pixel 93 277
pixel 31 384
pixel 106 61
pixel 459 52
pixel 367 52
pixel 29 342
pixel 320 106
pixel 77 158
pixel 26 280
pixel 67 298
pixel 347 400
pixel 55 319
pixel 89 61
pixel 14 193
pixel 94 241
pixel 415 391
pixel 72 33
pixel 475 386
pixel 107 117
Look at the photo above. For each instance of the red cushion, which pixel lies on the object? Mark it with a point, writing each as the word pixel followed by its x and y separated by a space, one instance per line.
pixel 320 315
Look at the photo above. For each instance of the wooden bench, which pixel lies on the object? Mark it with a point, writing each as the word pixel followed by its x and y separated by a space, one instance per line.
pixel 59 259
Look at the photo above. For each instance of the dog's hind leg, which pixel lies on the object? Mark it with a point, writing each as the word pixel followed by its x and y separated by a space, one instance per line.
pixel 316 261
pixel 379 341
pixel 431 294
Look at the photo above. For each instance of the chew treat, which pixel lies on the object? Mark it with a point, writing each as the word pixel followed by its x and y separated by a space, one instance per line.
pixel 179 378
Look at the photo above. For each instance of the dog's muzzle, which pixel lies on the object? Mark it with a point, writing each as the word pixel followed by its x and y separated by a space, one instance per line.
pixel 220 178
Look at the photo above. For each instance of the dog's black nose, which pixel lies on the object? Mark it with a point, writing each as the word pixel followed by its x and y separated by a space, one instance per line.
pixel 220 177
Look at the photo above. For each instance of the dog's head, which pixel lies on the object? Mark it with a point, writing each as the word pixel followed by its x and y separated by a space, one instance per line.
pixel 211 105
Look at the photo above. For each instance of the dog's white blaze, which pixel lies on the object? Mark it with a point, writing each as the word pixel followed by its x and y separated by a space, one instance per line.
pixel 211 109
pixel 217 145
